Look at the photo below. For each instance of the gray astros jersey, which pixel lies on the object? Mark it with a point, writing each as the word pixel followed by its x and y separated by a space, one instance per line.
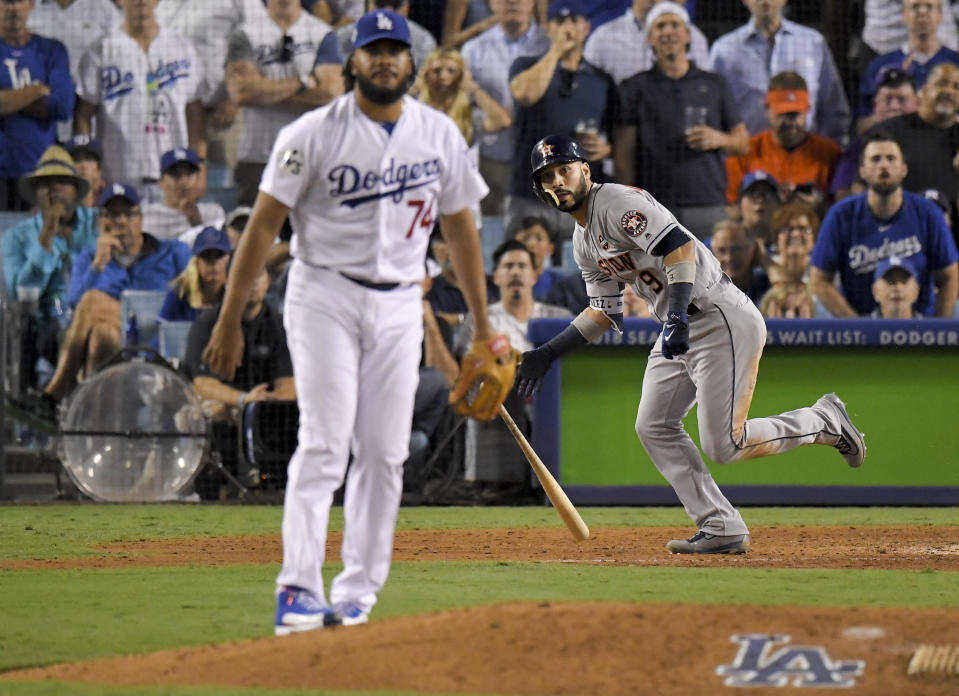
pixel 624 225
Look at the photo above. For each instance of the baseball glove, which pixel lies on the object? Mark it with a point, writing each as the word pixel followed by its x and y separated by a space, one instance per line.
pixel 486 376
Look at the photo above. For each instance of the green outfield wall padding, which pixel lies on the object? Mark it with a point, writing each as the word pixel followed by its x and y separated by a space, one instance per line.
pixel 906 401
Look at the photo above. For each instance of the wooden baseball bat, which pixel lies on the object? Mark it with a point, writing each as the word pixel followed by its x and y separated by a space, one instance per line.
pixel 555 493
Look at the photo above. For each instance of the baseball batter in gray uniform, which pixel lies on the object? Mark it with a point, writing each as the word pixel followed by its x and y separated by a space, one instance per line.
pixel 708 352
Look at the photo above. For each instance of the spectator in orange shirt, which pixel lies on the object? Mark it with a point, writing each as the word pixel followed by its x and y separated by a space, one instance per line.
pixel 797 158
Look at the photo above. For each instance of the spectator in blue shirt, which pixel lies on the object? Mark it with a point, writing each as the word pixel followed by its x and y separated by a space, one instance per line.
pixel 125 258
pixel 860 231
pixel 916 58
pixel 201 284
pixel 35 92
pixel 768 45
pixel 489 57
pixel 36 252
pixel 559 92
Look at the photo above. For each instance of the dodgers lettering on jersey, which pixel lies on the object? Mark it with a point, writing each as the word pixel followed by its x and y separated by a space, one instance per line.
pixel 142 98
pixel 624 225
pixel 362 200
pixel 393 181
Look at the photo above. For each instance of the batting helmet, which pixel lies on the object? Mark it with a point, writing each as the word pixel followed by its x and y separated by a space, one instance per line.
pixel 551 150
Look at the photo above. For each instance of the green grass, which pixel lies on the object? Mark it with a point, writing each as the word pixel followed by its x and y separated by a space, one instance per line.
pixel 138 610
pixel 50 531
pixel 61 615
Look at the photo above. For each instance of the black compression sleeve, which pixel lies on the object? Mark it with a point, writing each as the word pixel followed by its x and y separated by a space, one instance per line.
pixel 678 296
pixel 566 340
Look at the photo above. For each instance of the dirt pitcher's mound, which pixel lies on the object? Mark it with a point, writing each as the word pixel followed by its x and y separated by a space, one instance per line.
pixel 878 547
pixel 600 649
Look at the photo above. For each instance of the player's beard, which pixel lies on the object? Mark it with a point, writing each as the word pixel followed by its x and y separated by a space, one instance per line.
pixel 381 96
pixel 579 195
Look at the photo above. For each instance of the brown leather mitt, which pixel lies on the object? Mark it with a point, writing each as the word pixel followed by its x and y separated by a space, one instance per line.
pixel 486 376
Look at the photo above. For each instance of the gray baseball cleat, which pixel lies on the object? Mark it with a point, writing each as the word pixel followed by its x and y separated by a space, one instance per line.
pixel 702 542
pixel 851 444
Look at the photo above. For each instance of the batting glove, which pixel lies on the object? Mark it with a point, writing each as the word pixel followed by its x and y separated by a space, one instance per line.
pixel 675 335
pixel 535 365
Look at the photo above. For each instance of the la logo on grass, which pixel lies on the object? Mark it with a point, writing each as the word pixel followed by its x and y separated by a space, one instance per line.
pixel 759 664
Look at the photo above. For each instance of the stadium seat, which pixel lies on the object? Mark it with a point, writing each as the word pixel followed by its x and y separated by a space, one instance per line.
pixel 173 339
pixel 145 305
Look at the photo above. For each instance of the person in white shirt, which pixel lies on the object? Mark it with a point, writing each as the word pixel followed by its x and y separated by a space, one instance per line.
pixel 142 82
pixel 621 49
pixel 276 68
pixel 180 215
pixel 208 25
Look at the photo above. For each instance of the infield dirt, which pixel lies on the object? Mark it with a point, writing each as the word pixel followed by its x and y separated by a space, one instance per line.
pixel 614 649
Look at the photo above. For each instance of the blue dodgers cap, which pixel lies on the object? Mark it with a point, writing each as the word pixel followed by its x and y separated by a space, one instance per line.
pixel 566 8
pixel 758 176
pixel 177 155
pixel 211 238
pixel 80 145
pixel 118 191
pixel 890 262
pixel 381 24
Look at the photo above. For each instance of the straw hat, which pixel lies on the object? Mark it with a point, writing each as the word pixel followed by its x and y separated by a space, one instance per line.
pixel 55 162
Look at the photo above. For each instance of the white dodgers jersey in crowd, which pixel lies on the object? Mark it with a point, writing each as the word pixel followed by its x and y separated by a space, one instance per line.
pixel 142 99
pixel 363 201
pixel 261 42
pixel 624 225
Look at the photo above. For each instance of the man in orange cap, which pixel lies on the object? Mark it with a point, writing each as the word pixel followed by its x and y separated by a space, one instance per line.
pixel 801 161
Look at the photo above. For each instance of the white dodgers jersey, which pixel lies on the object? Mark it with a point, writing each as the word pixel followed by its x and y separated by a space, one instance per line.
pixel 260 42
pixel 624 225
pixel 142 99
pixel 363 201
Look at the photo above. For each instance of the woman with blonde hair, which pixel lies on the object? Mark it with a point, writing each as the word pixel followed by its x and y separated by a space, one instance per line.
pixel 445 83
pixel 202 282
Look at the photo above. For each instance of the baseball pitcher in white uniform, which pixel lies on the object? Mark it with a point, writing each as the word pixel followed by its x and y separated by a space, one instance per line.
pixel 362 180
pixel 708 352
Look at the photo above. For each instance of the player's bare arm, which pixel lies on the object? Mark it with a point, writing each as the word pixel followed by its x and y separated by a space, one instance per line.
pixel 224 352
pixel 947 289
pixel 822 287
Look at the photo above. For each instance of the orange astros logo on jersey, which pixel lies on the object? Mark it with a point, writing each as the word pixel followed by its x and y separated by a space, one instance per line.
pixel 633 222
pixel 547 150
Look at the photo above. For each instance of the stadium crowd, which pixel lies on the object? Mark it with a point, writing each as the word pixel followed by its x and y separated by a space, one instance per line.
pixel 133 134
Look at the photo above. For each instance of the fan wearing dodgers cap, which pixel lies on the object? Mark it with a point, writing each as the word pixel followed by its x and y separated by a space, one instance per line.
pixel 860 231
pixel 895 287
pixel 202 282
pixel 362 180
pixel 125 258
pixel 180 214
pixel 87 158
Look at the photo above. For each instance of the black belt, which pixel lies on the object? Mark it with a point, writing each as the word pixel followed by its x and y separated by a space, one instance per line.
pixel 692 310
pixel 369 283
